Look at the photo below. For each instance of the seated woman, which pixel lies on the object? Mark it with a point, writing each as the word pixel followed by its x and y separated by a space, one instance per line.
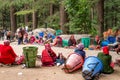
pixel 97 43
pixel 48 56
pixel 57 42
pixel 72 42
pixel 7 54
pixel 106 60
pixel 40 40
pixel 32 39
pixel 75 60
pixel 80 50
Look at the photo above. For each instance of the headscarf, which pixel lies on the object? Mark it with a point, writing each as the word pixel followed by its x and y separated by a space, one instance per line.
pixel 50 51
pixel 6 42
pixel 80 46
pixel 48 47
pixel 106 50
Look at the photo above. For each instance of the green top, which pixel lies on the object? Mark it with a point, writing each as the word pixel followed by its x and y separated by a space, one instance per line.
pixel 106 60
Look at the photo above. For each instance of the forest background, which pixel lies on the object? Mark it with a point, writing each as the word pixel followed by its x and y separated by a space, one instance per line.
pixel 71 16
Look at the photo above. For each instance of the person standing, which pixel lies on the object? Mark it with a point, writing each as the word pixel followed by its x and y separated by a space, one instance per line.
pixel 20 36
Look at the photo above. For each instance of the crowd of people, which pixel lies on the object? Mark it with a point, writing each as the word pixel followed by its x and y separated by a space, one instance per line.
pixel 73 62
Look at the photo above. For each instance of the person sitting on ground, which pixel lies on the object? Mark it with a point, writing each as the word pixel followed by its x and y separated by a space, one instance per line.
pixel 79 50
pixel 97 43
pixel 57 42
pixel 72 42
pixel 106 59
pixel 105 35
pixel 48 57
pixel 75 60
pixel 7 54
pixel 32 39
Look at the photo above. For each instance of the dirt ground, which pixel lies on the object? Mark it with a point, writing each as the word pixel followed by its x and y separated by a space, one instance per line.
pixel 50 73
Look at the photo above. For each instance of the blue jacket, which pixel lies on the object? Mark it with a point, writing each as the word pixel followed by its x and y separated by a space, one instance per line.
pixel 81 52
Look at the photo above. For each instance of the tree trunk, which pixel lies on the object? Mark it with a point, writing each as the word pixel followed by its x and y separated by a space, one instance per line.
pixel 51 9
pixel 100 12
pixel 26 6
pixel 63 18
pixel 115 19
pixel 92 13
pixel 13 19
pixel 106 19
pixel 26 20
pixel 34 20
pixel 3 21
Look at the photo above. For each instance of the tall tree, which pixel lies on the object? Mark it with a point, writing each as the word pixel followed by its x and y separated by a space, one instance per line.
pixel 79 15
pixel 100 12
pixel 13 19
pixel 51 9
pixel 63 18
pixel 34 18
pixel 26 6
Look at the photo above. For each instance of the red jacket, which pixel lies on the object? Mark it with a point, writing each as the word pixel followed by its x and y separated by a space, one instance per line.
pixel 48 58
pixel 7 54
